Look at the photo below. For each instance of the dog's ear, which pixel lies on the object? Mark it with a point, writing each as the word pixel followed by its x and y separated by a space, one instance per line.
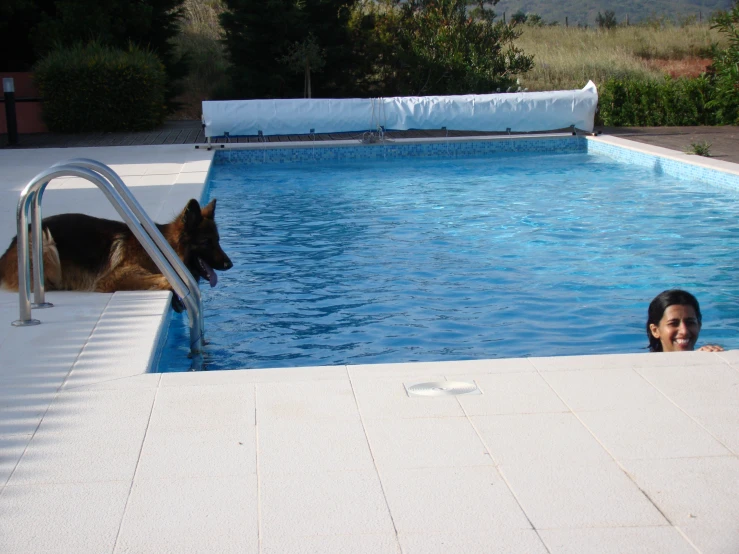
pixel 209 212
pixel 191 215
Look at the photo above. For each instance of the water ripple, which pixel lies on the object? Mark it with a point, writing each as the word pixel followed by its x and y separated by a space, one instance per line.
pixel 419 260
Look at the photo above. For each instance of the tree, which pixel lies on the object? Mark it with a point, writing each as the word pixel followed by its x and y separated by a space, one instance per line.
pixel 519 18
pixel 256 35
pixel 423 47
pixel 534 20
pixel 17 20
pixel 260 34
pixel 607 20
pixel 305 57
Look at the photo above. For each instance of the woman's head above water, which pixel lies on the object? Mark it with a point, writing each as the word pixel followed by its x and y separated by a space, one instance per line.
pixel 673 322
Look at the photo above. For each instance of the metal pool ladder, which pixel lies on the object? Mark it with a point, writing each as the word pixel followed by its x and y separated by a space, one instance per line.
pixel 160 251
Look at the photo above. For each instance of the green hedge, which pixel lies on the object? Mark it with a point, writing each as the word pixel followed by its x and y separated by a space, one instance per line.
pixel 97 88
pixel 726 67
pixel 633 102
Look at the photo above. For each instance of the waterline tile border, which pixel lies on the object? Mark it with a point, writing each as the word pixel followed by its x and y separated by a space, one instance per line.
pixel 396 150
pixel 667 162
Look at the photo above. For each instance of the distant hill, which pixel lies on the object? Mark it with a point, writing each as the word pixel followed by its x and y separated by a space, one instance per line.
pixel 584 12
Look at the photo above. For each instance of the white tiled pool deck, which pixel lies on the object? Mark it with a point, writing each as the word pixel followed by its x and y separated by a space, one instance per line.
pixel 570 455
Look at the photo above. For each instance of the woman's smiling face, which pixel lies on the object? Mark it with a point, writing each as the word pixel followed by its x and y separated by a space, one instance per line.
pixel 678 329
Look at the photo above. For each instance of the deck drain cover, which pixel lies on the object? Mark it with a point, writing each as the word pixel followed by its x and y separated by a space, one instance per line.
pixel 442 388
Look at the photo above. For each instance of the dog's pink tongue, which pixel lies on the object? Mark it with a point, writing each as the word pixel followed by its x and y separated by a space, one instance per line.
pixel 212 277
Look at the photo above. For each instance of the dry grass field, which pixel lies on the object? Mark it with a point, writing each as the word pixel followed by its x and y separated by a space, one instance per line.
pixel 566 58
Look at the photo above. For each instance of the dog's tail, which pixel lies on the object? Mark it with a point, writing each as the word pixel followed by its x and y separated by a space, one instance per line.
pixel 52 264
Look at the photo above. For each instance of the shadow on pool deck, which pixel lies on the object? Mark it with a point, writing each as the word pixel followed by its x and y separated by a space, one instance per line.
pixel 724 140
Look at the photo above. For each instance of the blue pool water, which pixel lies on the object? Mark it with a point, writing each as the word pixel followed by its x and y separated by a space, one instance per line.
pixel 427 259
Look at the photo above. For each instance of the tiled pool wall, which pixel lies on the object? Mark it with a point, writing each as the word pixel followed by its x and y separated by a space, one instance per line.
pixel 394 150
pixel 663 165
pixel 561 144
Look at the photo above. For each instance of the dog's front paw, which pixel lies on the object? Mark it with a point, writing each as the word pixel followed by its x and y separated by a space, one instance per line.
pixel 177 304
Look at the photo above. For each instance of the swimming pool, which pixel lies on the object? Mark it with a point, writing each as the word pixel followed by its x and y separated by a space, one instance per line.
pixel 457 255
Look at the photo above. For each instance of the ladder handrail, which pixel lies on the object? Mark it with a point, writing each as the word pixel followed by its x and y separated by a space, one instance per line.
pixel 32 195
pixel 146 222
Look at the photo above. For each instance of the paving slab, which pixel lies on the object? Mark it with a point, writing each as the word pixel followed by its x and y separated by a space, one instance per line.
pixel 697 495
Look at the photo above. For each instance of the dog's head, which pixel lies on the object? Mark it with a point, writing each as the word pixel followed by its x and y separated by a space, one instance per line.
pixel 200 242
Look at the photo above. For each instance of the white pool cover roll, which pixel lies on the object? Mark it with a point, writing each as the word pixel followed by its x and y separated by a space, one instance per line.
pixel 518 111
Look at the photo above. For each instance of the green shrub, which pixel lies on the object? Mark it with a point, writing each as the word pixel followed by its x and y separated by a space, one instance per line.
pixel 98 88
pixel 643 102
pixel 726 67
pixel 607 20
pixel 428 47
pixel 700 149
pixel 149 24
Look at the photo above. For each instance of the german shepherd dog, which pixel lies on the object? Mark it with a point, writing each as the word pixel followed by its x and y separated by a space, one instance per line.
pixel 85 253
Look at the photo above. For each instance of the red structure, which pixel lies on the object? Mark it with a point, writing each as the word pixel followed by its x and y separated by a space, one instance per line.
pixel 28 114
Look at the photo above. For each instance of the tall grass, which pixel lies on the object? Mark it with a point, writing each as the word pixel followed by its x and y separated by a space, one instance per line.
pixel 200 41
pixel 567 57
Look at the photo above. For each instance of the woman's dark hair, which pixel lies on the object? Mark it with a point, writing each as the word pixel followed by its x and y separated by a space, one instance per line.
pixel 657 308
